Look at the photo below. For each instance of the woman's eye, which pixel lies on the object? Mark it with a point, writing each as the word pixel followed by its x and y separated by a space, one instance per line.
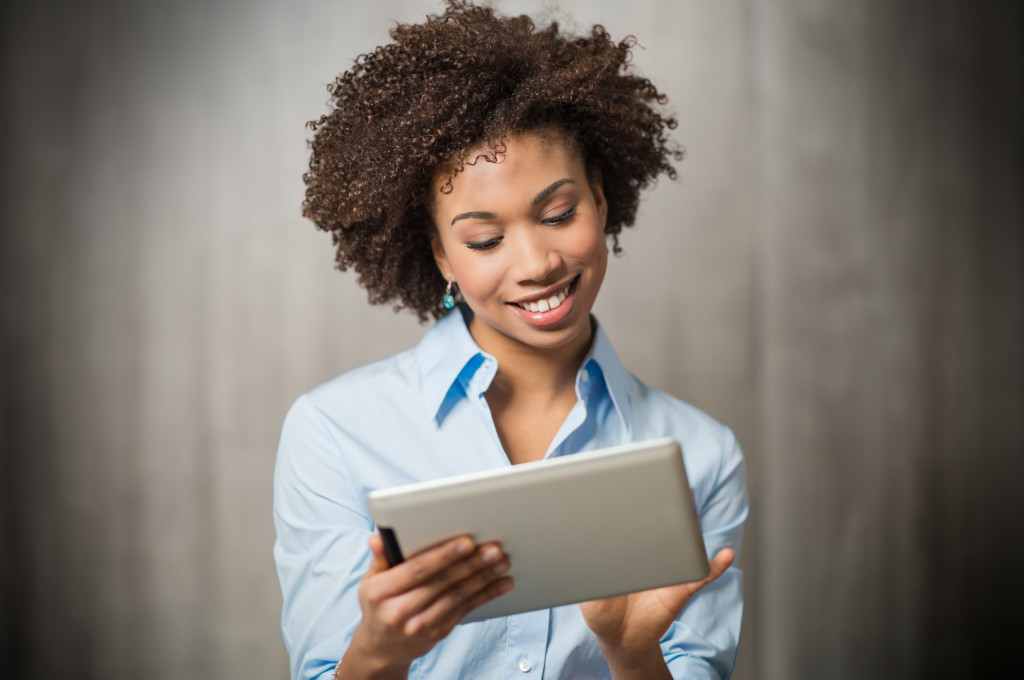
pixel 484 245
pixel 558 219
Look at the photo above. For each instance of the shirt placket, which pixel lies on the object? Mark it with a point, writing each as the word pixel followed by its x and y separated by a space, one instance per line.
pixel 527 645
pixel 478 384
pixel 577 416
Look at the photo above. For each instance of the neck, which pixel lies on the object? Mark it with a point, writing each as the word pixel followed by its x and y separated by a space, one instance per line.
pixel 542 375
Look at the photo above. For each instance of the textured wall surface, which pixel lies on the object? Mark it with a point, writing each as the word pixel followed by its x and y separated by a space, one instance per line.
pixel 838 274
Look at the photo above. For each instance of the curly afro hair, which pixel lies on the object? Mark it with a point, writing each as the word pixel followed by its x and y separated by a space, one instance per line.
pixel 419 106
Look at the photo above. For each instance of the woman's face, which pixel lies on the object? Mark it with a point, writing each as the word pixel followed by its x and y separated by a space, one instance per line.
pixel 524 240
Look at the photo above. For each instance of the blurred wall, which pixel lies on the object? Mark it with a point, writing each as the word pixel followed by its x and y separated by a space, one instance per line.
pixel 837 274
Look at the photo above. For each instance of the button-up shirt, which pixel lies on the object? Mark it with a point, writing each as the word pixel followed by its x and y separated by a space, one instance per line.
pixel 422 415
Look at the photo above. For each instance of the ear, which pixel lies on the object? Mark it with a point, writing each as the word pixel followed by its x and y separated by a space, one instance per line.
pixel 597 189
pixel 441 258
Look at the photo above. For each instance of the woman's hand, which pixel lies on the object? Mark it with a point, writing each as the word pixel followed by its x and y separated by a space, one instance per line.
pixel 409 608
pixel 629 627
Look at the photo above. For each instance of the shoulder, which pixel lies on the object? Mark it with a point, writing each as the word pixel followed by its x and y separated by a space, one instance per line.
pixel 402 382
pixel 709 446
pixel 662 414
pixel 358 400
pixel 650 413
pixel 366 386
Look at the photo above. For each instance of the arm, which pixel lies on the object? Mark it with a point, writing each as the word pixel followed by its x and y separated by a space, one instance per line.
pixel 409 608
pixel 320 547
pixel 629 628
pixel 340 599
pixel 700 640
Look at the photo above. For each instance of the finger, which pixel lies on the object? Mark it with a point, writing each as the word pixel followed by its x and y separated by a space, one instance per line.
pixel 426 564
pixel 379 559
pixel 445 612
pixel 493 591
pixel 457 592
pixel 721 562
pixel 420 568
pixel 684 591
pixel 487 564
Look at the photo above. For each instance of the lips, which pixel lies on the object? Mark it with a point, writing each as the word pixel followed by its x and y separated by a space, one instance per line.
pixel 549 308
pixel 550 302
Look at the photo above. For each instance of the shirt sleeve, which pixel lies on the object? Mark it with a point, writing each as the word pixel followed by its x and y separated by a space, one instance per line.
pixel 321 549
pixel 702 641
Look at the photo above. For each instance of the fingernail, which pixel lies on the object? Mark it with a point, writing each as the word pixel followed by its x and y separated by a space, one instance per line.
pixel 506 585
pixel 491 554
pixel 500 568
pixel 464 546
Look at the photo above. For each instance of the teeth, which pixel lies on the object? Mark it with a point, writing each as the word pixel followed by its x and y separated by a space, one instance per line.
pixel 548 304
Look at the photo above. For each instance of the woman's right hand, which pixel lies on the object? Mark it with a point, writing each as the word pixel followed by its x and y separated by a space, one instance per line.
pixel 409 608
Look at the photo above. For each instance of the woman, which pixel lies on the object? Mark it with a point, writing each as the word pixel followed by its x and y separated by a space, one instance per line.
pixel 479 157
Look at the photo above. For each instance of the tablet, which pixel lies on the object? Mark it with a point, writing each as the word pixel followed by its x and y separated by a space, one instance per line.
pixel 576 528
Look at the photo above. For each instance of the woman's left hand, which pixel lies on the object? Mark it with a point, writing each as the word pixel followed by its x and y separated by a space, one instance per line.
pixel 629 628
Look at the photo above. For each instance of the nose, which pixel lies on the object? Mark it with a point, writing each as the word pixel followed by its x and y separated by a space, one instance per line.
pixel 537 259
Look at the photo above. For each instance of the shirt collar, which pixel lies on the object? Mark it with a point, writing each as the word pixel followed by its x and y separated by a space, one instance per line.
pixel 448 352
pixel 444 354
pixel 616 377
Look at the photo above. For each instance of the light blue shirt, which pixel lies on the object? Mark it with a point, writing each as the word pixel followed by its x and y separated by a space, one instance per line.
pixel 422 415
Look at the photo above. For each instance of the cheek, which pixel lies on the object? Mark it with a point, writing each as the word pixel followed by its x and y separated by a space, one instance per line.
pixel 478 276
pixel 592 245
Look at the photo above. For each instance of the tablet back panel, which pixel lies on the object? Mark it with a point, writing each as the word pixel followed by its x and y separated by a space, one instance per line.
pixel 575 528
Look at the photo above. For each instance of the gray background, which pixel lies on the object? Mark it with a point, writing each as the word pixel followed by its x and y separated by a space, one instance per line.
pixel 837 274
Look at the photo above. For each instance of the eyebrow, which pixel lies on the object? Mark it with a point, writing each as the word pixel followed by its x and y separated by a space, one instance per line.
pixel 474 216
pixel 551 189
pixel 479 215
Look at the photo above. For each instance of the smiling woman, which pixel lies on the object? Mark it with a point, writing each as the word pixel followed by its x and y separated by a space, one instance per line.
pixel 526 245
pixel 482 154
pixel 524 239
pixel 411 116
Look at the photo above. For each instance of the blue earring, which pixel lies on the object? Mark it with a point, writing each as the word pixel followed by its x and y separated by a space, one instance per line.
pixel 449 299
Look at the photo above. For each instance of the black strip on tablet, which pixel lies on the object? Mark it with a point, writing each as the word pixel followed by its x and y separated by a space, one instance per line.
pixel 391 549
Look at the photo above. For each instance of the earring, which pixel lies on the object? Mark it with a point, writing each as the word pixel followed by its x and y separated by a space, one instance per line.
pixel 449 299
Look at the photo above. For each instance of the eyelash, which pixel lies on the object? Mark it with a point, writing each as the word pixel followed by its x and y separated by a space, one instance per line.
pixel 485 245
pixel 492 243
pixel 558 219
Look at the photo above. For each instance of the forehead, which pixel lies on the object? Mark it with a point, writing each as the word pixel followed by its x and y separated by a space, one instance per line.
pixel 524 161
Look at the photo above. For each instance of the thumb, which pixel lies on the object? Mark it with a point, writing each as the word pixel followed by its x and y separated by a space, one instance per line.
pixel 379 562
pixel 722 561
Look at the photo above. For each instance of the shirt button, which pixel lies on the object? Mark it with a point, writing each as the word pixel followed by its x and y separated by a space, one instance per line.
pixel 525 666
pixel 584 376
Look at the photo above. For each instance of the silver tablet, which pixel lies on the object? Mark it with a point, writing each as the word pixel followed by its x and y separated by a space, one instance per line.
pixel 575 528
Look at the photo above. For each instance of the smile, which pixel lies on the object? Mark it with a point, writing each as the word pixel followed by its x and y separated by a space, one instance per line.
pixel 547 303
